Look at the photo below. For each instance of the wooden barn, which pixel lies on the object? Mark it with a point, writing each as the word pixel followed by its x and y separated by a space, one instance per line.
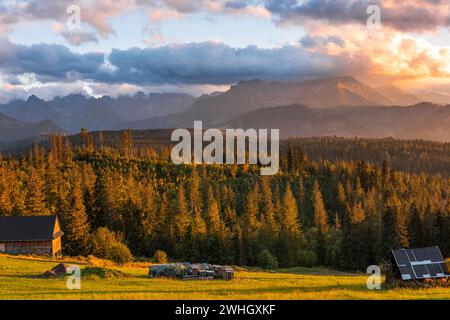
pixel 30 235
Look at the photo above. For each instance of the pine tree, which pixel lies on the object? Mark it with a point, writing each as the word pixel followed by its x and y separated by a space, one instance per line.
pixel 194 194
pixel 271 228
pixel 35 201
pixel 215 229
pixel 182 219
pixel 320 214
pixel 214 221
pixel 6 204
pixel 415 229
pixel 75 223
pixel 149 223
pixel 165 217
pixel 290 224
pixel 320 222
pixel 290 235
pixel 252 226
pixel 394 229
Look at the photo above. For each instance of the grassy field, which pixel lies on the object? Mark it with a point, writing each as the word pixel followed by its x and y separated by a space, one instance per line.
pixel 19 280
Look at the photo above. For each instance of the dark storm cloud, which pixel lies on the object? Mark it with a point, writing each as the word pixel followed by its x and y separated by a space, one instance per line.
pixel 48 62
pixel 211 63
pixel 197 63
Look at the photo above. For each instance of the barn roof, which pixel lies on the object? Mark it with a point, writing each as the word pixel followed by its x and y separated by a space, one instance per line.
pixel 27 228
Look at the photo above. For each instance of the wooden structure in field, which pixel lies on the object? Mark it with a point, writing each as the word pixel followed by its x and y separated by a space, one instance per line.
pixel 188 271
pixel 419 264
pixel 39 235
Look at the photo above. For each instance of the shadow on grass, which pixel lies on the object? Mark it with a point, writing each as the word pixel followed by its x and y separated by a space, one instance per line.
pixel 24 276
pixel 285 290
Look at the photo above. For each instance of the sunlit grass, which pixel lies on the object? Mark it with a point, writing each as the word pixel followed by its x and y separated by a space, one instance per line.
pixel 18 280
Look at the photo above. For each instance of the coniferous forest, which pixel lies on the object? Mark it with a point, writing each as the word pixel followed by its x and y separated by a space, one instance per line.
pixel 343 212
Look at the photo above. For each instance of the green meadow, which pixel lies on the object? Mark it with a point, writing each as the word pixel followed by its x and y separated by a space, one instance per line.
pixel 19 279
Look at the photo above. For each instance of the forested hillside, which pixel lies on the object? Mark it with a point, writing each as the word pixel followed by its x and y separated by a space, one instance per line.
pixel 346 214
pixel 415 156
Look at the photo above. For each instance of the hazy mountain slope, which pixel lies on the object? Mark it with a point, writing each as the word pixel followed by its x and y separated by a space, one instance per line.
pixel 421 121
pixel 165 122
pixel 435 97
pixel 389 120
pixel 398 96
pixel 338 91
pixel 141 106
pixel 96 115
pixel 12 130
pixel 435 126
pixel 298 120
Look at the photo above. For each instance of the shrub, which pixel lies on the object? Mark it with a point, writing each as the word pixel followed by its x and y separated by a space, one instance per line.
pixel 266 260
pixel 102 273
pixel 160 256
pixel 120 253
pixel 306 258
pixel 107 245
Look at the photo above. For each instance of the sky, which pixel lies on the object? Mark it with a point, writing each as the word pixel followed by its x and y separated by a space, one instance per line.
pixel 113 47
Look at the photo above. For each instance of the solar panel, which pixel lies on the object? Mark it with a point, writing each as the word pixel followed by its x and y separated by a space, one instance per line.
pixel 420 263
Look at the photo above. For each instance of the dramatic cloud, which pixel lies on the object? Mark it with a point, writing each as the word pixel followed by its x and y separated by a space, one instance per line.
pixel 215 63
pixel 204 63
pixel 405 15
pixel 94 13
pixel 335 41
pixel 48 62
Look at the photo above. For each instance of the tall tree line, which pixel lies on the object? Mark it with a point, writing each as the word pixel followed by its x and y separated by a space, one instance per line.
pixel 346 214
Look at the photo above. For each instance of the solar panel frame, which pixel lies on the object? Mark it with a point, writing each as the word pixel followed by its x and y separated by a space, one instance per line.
pixel 420 263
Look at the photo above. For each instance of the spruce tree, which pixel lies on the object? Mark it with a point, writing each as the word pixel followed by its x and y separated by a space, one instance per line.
pixel 320 214
pixel 75 223
pixel 320 223
pixel 290 234
pixel 35 201
pixel 394 229
pixel 267 211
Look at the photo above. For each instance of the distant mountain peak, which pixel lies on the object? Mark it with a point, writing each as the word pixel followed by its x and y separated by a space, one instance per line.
pixel 252 82
pixel 348 79
pixel 34 99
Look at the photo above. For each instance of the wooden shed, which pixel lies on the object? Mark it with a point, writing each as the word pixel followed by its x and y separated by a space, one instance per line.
pixel 30 235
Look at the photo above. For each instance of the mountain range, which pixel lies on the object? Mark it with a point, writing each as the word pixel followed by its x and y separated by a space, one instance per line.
pixel 76 111
pixel 341 106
